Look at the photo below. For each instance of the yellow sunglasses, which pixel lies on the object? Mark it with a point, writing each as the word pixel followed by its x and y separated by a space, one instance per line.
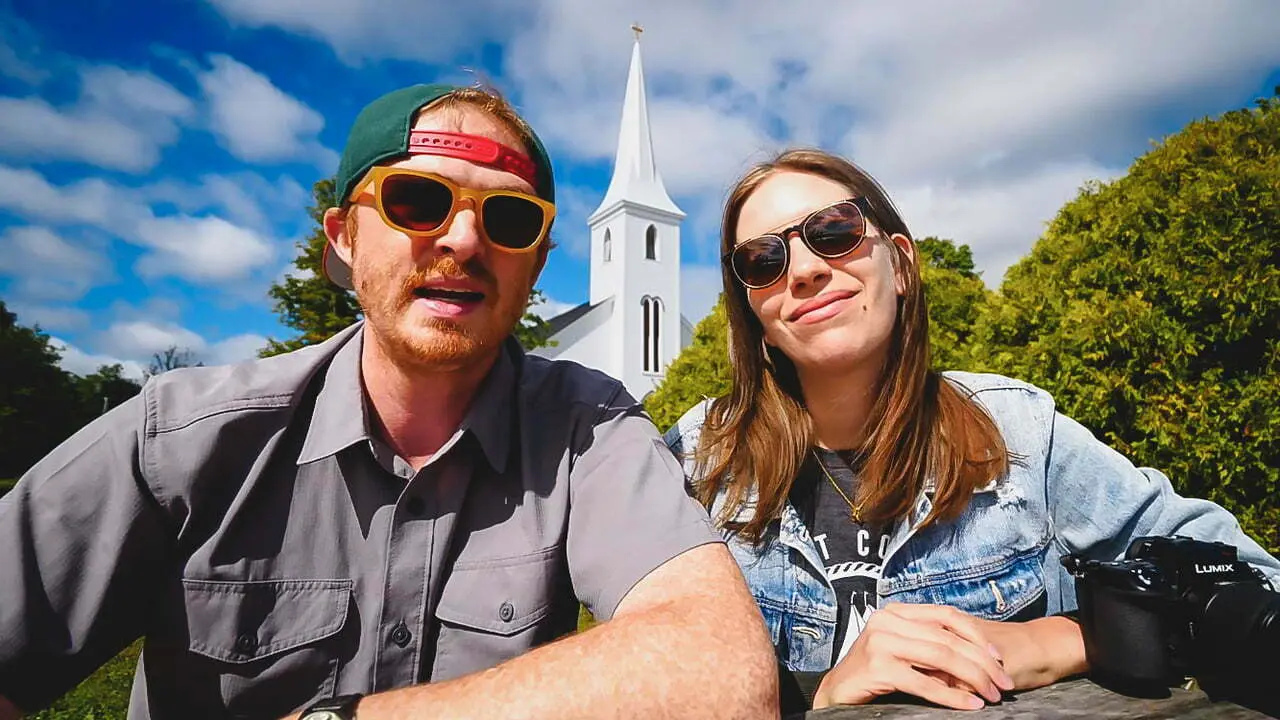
pixel 423 203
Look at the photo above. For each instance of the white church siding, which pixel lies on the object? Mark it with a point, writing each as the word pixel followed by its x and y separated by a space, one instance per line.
pixel 581 341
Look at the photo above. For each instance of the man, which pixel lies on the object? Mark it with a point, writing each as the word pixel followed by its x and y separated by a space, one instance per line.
pixel 398 521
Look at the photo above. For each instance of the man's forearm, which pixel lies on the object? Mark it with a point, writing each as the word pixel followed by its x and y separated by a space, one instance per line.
pixel 667 661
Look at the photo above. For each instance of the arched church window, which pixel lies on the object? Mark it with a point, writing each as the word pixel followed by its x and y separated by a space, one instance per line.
pixel 652 344
pixel 651 243
pixel 648 325
pixel 608 245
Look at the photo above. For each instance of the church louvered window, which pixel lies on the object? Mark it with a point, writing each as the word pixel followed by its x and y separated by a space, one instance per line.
pixel 651 243
pixel 608 245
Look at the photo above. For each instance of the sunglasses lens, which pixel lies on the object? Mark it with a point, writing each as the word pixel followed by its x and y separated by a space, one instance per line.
pixel 415 203
pixel 760 261
pixel 513 222
pixel 836 231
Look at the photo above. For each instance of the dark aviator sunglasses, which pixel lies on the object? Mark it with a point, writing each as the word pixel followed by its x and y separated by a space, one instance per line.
pixel 829 232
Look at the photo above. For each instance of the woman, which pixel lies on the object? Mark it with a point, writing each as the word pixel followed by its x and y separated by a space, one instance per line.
pixel 848 477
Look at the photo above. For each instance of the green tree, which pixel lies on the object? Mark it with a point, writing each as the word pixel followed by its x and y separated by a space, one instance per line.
pixel 701 370
pixel 956 297
pixel 317 309
pixel 104 389
pixel 307 301
pixel 1151 310
pixel 171 358
pixel 39 406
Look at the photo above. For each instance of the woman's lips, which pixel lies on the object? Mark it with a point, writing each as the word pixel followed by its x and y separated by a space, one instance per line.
pixel 821 307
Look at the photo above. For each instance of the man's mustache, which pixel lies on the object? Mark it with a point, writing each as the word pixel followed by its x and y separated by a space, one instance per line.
pixel 446 267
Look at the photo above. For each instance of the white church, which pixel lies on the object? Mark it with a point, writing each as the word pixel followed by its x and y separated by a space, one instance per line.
pixel 631 327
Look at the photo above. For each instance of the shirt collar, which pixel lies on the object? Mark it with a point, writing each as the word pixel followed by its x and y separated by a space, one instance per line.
pixel 341 416
pixel 494 409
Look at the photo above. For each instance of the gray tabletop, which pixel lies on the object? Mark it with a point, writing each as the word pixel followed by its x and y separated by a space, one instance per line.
pixel 1079 698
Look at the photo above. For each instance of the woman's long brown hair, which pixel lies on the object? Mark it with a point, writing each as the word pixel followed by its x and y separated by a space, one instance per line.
pixel 758 436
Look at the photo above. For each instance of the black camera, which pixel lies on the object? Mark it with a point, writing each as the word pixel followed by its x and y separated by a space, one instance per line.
pixel 1175 608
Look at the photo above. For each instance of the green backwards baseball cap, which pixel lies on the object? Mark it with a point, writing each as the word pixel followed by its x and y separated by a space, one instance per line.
pixel 382 132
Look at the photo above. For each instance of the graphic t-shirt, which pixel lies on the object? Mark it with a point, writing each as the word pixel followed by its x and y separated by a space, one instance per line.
pixel 852 553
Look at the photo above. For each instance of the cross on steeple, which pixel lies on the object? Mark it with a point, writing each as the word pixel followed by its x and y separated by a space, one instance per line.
pixel 635 27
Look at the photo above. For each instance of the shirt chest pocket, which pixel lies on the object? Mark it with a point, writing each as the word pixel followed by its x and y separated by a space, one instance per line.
pixel 492 610
pixel 265 648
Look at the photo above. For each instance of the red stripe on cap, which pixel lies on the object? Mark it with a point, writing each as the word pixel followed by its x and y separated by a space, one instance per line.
pixel 475 148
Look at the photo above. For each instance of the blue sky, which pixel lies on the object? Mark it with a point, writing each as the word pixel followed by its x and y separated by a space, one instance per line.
pixel 156 158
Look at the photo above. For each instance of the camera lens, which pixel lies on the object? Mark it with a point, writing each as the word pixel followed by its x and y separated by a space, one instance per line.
pixel 1237 641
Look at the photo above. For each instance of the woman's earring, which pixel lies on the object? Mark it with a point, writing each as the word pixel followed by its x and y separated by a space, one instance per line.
pixel 768 359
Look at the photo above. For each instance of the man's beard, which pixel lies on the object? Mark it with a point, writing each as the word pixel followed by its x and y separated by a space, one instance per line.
pixel 438 343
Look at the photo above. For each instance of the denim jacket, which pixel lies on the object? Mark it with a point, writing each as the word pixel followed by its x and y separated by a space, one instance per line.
pixel 1065 492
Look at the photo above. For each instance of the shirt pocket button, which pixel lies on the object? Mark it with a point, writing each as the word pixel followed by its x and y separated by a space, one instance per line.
pixel 506 612
pixel 246 643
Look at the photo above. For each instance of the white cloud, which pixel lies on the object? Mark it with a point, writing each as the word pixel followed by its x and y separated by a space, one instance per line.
pixel 122 120
pixel 256 121
pixel 139 340
pixel 75 360
pixel 246 198
pixel 45 266
pixel 550 307
pixel 371 30
pixel 998 221
pixel 50 317
pixel 235 349
pixel 201 249
pixel 91 201
pixel 699 288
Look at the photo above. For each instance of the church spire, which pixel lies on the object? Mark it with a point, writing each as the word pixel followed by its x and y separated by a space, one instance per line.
pixel 635 175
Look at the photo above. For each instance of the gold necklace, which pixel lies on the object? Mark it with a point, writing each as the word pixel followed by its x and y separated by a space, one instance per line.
pixel 855 511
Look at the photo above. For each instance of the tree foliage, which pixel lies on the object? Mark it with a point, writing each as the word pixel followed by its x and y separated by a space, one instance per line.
pixel 40 403
pixel 956 297
pixel 1151 310
pixel 317 309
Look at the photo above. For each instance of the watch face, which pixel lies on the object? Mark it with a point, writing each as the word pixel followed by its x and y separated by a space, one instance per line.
pixel 322 715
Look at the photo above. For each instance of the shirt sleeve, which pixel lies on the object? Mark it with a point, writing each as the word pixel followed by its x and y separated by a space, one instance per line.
pixel 82 542
pixel 1100 502
pixel 629 510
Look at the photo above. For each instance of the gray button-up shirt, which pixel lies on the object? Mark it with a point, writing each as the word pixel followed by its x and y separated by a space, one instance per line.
pixel 248 523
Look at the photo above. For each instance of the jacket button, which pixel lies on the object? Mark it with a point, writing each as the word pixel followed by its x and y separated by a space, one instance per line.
pixel 506 612
pixel 246 644
pixel 401 635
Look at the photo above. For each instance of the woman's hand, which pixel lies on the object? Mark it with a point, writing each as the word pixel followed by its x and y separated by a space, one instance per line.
pixel 931 651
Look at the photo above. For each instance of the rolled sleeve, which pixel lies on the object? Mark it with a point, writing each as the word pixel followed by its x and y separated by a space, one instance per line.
pixel 630 512
pixel 81 540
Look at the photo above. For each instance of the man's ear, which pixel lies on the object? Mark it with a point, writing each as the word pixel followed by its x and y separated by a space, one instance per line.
pixel 908 248
pixel 335 228
pixel 544 249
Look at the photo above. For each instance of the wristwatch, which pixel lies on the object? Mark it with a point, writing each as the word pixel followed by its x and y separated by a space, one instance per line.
pixel 342 707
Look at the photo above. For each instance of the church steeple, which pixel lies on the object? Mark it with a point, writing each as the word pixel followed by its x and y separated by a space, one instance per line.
pixel 635 175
